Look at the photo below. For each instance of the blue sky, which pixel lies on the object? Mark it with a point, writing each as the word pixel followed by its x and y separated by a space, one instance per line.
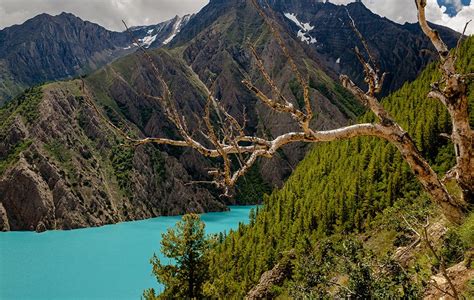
pixel 450 13
pixel 451 8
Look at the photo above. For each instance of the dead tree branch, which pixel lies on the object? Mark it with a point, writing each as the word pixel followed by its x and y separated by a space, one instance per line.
pixel 229 141
pixel 451 91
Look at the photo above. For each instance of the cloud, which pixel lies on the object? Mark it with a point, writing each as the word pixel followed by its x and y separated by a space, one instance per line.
pixel 108 13
pixel 402 11
pixel 457 22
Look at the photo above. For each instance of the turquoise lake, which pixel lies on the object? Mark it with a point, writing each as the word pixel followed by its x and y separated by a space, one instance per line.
pixel 110 262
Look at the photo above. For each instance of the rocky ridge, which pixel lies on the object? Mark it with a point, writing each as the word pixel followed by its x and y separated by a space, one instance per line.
pixel 49 48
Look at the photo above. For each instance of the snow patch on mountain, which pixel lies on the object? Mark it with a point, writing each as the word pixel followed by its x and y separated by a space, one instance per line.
pixel 176 28
pixel 158 35
pixel 305 28
pixel 148 40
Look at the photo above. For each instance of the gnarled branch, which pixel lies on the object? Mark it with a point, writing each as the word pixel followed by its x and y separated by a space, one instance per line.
pixel 229 141
pixel 451 91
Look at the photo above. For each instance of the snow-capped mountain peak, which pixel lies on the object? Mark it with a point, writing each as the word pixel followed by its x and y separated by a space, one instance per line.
pixel 160 34
pixel 180 22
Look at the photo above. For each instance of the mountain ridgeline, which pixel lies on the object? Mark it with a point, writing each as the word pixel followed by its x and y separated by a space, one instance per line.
pixel 49 48
pixel 74 169
pixel 342 188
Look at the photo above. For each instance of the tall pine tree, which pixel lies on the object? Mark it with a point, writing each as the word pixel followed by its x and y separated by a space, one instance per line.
pixel 187 244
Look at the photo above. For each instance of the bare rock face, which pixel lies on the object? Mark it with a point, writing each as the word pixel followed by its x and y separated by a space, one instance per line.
pixel 28 197
pixel 65 170
pixel 271 278
pixel 459 274
pixel 4 225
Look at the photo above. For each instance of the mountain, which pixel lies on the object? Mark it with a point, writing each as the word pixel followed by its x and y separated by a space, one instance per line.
pixel 79 174
pixel 69 190
pixel 49 48
pixel 401 50
pixel 27 56
pixel 360 188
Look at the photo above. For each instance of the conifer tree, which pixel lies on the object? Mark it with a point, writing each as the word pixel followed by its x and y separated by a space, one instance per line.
pixel 187 244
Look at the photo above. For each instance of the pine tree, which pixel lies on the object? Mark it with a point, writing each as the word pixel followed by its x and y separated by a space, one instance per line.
pixel 187 244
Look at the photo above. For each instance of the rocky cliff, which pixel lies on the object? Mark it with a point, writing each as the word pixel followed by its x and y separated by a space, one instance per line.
pixel 61 170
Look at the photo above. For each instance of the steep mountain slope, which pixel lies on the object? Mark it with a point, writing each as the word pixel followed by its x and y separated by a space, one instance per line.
pixel 340 188
pixel 214 44
pixel 61 170
pixel 48 48
pixel 402 50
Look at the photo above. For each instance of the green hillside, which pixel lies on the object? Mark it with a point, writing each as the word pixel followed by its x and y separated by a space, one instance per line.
pixel 341 188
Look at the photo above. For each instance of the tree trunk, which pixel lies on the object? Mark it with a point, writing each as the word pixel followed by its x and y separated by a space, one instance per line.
pixel 463 139
pixel 452 209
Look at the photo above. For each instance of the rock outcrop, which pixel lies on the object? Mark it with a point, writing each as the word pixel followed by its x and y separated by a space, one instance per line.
pixel 459 274
pixel 272 278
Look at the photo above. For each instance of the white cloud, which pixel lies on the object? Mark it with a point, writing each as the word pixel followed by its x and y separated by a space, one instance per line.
pixel 108 13
pixel 457 23
pixel 402 11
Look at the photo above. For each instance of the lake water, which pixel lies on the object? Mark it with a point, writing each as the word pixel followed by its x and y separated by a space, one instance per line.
pixel 110 262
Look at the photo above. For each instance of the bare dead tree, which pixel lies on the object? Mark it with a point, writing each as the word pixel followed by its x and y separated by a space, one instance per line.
pixel 451 91
pixel 228 140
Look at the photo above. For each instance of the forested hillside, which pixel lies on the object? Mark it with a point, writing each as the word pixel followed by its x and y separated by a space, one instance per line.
pixel 340 188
